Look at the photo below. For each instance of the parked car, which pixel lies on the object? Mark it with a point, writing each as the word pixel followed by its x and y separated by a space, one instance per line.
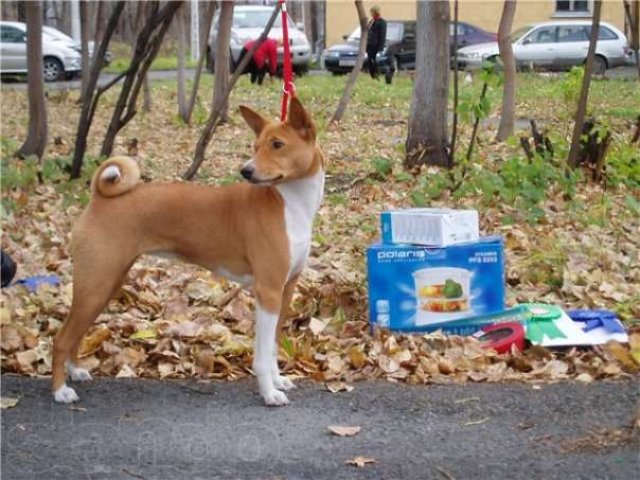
pixel 58 36
pixel 248 23
pixel 400 48
pixel 555 46
pixel 60 59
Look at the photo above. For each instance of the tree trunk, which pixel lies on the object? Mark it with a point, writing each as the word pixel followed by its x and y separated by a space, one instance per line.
pixel 507 116
pixel 146 91
pixel 427 135
pixel 36 140
pixel 84 41
pixel 633 20
pixel 182 96
pixel 145 51
pixel 454 127
pixel 586 82
pixel 214 116
pixel 98 33
pixel 211 8
pixel 353 76
pixel 90 102
pixel 221 66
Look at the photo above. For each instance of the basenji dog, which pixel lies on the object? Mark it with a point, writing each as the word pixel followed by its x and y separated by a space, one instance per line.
pixel 256 232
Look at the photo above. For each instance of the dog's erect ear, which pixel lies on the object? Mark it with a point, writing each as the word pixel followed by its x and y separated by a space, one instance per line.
pixel 253 119
pixel 300 120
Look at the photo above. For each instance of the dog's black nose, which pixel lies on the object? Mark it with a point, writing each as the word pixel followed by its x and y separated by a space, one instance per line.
pixel 247 172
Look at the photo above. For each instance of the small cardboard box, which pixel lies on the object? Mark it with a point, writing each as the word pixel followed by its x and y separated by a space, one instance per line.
pixel 438 227
pixel 421 288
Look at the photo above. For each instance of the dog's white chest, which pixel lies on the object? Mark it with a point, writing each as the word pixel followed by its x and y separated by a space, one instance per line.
pixel 302 199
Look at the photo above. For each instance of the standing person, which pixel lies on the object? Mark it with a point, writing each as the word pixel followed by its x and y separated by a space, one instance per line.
pixel 376 39
pixel 265 59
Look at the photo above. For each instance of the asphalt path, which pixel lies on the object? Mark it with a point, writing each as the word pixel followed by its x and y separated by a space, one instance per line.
pixel 19 83
pixel 148 429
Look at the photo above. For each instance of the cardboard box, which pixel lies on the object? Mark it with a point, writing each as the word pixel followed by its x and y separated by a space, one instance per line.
pixel 438 227
pixel 421 288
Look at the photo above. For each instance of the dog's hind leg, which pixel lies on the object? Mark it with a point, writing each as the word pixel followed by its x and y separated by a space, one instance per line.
pixel 76 373
pixel 92 288
pixel 282 382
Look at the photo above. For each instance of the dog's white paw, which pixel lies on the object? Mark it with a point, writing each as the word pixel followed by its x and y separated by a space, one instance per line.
pixel 282 382
pixel 65 394
pixel 275 398
pixel 79 374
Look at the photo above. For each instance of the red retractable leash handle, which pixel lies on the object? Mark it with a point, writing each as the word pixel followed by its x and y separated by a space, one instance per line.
pixel 288 89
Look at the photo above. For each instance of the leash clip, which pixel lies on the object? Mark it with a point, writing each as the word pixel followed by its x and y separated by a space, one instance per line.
pixel 292 88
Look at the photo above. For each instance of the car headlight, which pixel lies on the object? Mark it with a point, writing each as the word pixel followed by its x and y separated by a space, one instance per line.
pixel 330 54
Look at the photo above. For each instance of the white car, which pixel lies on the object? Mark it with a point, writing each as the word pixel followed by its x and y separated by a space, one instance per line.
pixel 555 46
pixel 60 37
pixel 248 23
pixel 60 58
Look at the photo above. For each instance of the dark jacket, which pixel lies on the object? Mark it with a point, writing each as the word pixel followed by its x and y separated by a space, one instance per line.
pixel 377 34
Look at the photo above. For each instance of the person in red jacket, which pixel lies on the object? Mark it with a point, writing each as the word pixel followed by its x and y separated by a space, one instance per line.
pixel 265 59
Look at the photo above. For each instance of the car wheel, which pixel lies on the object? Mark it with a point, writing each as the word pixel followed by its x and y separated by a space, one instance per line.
pixel 599 65
pixel 53 69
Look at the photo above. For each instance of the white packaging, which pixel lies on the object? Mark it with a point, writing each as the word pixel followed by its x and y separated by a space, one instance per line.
pixel 437 227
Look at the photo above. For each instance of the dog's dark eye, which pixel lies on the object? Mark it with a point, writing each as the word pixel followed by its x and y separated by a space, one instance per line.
pixel 277 144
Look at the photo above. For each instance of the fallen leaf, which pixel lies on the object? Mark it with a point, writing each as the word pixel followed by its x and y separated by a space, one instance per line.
pixel 343 431
pixel 335 387
pixel 477 422
pixel 360 461
pixel 8 402
pixel 184 329
pixel 11 339
pixel 92 342
pixel 622 355
pixel 126 372
pixel 145 334
pixel 584 378
pixel 316 325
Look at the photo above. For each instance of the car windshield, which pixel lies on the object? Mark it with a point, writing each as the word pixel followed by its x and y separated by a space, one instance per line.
pixel 256 19
pixel 57 34
pixel 394 33
pixel 518 34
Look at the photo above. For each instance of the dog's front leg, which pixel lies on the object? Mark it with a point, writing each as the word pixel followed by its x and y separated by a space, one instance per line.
pixel 282 382
pixel 265 344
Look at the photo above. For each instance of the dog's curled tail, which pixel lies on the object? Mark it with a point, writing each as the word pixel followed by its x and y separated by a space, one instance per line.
pixel 117 175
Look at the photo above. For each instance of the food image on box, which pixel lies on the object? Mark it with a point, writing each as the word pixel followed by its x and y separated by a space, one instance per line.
pixel 412 286
pixel 442 290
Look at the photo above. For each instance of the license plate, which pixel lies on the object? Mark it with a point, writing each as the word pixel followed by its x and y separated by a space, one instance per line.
pixel 347 63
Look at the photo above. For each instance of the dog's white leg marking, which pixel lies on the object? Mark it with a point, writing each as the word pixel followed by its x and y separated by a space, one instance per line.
pixel 78 374
pixel 281 382
pixel 263 354
pixel 65 394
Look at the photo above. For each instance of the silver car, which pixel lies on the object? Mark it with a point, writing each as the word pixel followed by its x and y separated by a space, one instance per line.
pixel 61 59
pixel 248 23
pixel 555 46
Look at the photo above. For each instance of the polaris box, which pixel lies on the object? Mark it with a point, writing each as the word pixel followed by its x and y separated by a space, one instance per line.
pixel 421 288
pixel 437 227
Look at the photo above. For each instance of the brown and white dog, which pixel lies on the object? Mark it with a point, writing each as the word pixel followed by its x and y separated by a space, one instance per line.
pixel 255 233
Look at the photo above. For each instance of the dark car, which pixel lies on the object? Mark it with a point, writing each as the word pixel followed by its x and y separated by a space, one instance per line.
pixel 400 48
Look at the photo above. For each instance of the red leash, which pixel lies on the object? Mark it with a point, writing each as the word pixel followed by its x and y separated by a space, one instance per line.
pixel 288 88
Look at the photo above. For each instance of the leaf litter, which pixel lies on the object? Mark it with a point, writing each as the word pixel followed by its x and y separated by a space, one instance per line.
pixel 173 320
